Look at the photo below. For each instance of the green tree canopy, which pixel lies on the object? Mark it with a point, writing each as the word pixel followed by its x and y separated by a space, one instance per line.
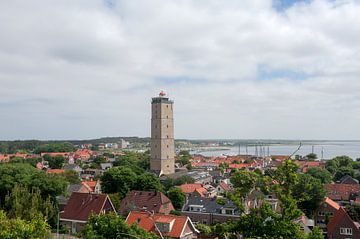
pixel 17 228
pixel 177 197
pixel 244 181
pixel 322 174
pixel 118 180
pixel 54 147
pixel 309 192
pixel 11 174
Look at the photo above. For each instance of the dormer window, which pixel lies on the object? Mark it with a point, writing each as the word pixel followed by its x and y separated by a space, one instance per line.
pixel 165 224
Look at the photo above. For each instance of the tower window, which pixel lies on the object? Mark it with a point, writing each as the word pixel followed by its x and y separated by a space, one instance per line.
pixel 167 136
pixel 167 146
pixel 167 126
pixel 167 116
pixel 167 106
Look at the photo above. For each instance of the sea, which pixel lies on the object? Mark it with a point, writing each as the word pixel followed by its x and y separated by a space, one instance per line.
pixel 323 149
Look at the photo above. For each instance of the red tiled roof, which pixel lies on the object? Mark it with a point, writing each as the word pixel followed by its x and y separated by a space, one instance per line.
pixel 242 165
pixel 81 205
pixel 56 171
pixel 280 157
pixel 225 186
pixel 332 203
pixel 90 184
pixel 190 187
pixel 341 191
pixel 339 217
pixel 147 222
pixel 201 191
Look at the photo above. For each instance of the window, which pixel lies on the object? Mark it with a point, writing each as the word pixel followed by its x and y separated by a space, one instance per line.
pixel 345 231
pixel 320 213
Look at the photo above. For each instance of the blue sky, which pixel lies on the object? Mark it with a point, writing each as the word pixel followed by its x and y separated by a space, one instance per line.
pixel 235 69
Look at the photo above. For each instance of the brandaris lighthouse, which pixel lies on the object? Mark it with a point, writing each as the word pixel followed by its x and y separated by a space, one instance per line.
pixel 162 160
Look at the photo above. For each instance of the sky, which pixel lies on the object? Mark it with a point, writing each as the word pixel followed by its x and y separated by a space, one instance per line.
pixel 249 69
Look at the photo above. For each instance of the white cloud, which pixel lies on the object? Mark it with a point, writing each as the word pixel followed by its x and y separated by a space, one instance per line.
pixel 80 69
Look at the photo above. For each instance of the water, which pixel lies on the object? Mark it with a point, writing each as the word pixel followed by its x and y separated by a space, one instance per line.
pixel 329 149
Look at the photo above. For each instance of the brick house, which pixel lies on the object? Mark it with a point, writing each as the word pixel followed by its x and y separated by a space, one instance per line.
pixel 81 205
pixel 155 202
pixel 326 210
pixel 169 226
pixel 341 226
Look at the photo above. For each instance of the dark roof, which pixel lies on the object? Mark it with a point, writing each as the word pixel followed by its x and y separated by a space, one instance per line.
pixel 150 201
pixel 347 179
pixel 81 205
pixel 74 188
pixel 210 205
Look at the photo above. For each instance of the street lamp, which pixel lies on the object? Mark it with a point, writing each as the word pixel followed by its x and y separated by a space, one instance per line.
pixel 58 222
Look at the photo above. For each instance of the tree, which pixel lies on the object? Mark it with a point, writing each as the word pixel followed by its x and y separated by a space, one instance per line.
pixel 311 156
pixel 244 181
pixel 177 197
pixel 54 147
pixel 18 228
pixel 287 177
pixel 184 157
pixel 147 182
pixel 55 162
pixel 118 180
pixel 354 211
pixel 183 179
pixel 322 174
pixel 309 192
pixel 71 176
pixel 265 223
pixel 11 174
pixel 316 234
pixel 23 204
pixel 112 226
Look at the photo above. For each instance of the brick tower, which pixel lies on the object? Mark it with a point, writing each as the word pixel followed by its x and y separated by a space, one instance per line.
pixel 162 160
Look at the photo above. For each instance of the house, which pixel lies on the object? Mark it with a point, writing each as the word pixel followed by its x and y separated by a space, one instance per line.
pixel 199 189
pixel 80 188
pixel 66 155
pixel 305 165
pixel 81 205
pixel 55 171
pixel 106 166
pixel 188 188
pixel 83 154
pixel 4 158
pixel 347 179
pixel 94 186
pixel 223 188
pixel 73 167
pixel 88 174
pixel 169 226
pixel 155 202
pixel 209 210
pixel 341 193
pixel 341 226
pixel 325 212
pixel 306 224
